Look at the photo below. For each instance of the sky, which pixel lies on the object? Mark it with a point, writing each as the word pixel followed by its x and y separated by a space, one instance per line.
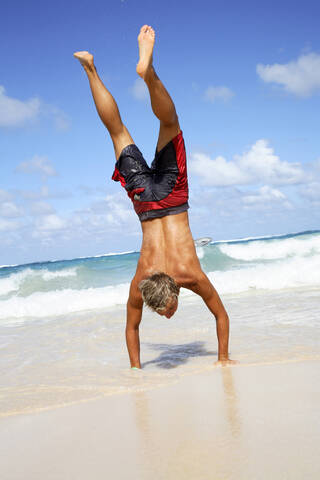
pixel 245 79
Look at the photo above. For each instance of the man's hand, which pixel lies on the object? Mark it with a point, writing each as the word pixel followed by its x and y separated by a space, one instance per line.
pixel 225 362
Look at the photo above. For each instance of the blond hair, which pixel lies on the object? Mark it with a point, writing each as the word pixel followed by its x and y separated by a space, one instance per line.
pixel 157 290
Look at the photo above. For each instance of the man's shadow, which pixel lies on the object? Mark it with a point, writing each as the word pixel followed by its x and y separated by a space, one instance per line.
pixel 173 356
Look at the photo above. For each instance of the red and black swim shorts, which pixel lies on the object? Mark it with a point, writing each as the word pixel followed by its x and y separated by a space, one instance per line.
pixel 159 190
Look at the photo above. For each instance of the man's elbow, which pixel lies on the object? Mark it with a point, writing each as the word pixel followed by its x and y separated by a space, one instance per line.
pixel 132 328
pixel 222 317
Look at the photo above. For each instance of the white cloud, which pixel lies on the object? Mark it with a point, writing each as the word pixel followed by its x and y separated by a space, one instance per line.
pixel 316 166
pixel 32 195
pixel 258 165
pixel 14 112
pixel 17 113
pixel 92 191
pixel 311 191
pixel 43 193
pixel 37 165
pixel 120 208
pixel 139 90
pixel 61 119
pixel 112 215
pixel 4 195
pixel 114 211
pixel 50 222
pixel 264 193
pixel 265 197
pixel 216 172
pixel 41 208
pixel 8 225
pixel 218 93
pixel 218 211
pixel 300 77
pixel 10 210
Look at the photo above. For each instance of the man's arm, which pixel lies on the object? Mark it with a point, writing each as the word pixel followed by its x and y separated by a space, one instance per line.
pixel 206 290
pixel 134 314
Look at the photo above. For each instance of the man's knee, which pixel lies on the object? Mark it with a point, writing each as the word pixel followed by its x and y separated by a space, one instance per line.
pixel 167 132
pixel 170 123
pixel 121 138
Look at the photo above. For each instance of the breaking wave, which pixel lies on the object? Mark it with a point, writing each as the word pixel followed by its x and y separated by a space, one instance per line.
pixel 56 288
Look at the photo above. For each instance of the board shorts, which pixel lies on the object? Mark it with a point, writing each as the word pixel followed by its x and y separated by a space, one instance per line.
pixel 159 190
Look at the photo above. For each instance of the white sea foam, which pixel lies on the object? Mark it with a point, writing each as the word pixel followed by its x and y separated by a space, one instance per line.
pixel 113 253
pixel 72 272
pixel 262 237
pixel 289 273
pixel 200 252
pixel 269 250
pixel 61 302
pixel 14 281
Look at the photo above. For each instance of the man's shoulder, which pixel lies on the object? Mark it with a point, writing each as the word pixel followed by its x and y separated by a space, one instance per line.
pixel 187 280
pixel 135 297
pixel 134 285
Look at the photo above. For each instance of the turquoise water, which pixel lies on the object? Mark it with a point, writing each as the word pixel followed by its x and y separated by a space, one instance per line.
pixel 47 289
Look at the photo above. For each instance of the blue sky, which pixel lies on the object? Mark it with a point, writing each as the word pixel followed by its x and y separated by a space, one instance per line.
pixel 245 78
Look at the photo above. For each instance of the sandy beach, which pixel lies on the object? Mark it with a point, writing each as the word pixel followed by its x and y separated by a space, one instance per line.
pixel 242 422
pixel 71 408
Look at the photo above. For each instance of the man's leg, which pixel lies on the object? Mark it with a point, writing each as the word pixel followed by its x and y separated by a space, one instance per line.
pixel 161 102
pixel 106 105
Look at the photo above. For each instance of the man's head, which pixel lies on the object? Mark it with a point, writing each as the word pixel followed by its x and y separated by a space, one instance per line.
pixel 160 293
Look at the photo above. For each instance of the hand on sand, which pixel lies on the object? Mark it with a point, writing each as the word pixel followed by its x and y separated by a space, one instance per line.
pixel 224 363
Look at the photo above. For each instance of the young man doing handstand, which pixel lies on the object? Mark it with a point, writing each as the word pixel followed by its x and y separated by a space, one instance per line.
pixel 168 259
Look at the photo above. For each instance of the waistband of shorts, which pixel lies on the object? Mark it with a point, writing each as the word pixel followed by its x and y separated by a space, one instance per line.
pixel 150 214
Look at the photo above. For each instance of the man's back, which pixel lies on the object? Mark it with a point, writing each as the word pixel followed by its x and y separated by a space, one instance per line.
pixel 168 246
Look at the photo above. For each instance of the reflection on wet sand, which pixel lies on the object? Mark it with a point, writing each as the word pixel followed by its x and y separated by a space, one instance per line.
pixel 232 423
pixel 231 401
pixel 190 429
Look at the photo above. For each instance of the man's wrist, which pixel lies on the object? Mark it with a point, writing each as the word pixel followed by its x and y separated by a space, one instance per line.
pixel 223 356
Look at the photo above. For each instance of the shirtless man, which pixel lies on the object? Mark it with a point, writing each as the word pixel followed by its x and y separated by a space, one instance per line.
pixel 168 258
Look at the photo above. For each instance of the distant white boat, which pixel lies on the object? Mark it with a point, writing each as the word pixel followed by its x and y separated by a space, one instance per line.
pixel 202 242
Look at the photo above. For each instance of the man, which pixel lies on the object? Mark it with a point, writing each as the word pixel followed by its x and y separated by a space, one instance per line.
pixel 159 194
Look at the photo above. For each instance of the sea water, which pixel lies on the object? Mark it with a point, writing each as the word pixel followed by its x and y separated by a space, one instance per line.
pixel 62 322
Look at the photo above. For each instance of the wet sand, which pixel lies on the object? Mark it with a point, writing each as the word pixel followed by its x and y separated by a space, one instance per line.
pixel 242 422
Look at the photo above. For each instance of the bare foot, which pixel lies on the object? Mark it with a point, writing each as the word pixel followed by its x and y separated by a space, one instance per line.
pixel 86 59
pixel 146 40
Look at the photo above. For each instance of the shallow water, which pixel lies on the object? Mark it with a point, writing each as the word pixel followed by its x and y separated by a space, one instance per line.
pixel 72 358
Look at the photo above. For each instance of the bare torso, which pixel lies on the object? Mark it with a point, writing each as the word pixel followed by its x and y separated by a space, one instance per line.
pixel 168 247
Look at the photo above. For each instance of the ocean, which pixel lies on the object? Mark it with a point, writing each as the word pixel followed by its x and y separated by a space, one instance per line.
pixel 62 322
